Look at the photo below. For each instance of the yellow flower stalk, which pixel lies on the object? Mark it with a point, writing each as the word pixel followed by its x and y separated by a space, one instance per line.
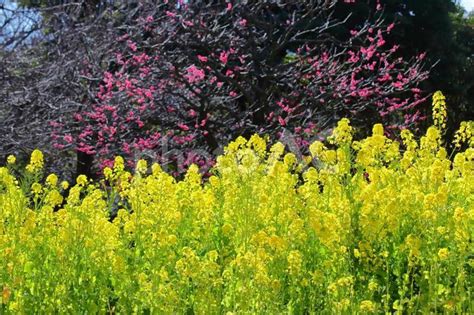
pixel 439 111
pixel 36 161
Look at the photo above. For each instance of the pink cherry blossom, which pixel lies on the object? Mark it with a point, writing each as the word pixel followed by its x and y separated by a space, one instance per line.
pixel 202 58
pixel 183 127
pixel 194 74
pixel 170 14
pixel 224 56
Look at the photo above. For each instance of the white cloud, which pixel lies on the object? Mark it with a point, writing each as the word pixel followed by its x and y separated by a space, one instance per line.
pixel 468 4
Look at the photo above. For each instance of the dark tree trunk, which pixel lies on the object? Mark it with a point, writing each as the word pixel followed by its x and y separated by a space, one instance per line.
pixel 84 164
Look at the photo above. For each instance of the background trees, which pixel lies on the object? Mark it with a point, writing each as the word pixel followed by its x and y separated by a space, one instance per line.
pixel 443 30
pixel 106 79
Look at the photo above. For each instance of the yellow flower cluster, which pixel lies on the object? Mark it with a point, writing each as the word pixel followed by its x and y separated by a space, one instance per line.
pixel 465 134
pixel 343 133
pixel 366 228
pixel 36 162
pixel 439 110
pixel 11 159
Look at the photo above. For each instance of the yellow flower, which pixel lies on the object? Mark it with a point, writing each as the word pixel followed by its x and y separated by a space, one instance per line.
pixel 235 145
pixel 36 157
pixel 227 229
pixel 81 180
pixel 342 133
pixel 465 134
pixel 289 159
pixel 36 161
pixel 11 159
pixel 212 255
pixel 52 179
pixel 277 149
pixel 377 130
pixel 332 288
pixel 295 260
pixel 408 139
pixel 343 304
pixel 373 285
pixel 258 144
pixel 36 188
pixel 356 253
pixel 345 281
pixel 64 185
pixel 367 306
pixel 107 172
pixel 141 166
pixel 439 110
pixel 443 254
pixel 316 148
pixel 54 198
pixel 172 239
pixel 119 164
pixel 441 230
pixel 156 169
pixel 329 156
pixel 214 181
pixel 413 244
pixel 311 175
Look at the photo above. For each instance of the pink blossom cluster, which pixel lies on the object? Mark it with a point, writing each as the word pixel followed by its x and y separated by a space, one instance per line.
pixel 180 103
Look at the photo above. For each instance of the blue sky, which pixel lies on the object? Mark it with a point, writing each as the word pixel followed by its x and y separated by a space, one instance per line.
pixel 468 4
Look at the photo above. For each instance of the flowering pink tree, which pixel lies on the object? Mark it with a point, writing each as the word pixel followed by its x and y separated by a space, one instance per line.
pixel 193 75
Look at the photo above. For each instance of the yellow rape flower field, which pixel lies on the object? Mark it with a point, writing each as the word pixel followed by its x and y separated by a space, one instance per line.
pixel 359 227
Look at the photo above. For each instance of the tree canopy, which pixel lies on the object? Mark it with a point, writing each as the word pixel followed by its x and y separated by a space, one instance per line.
pixel 219 69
